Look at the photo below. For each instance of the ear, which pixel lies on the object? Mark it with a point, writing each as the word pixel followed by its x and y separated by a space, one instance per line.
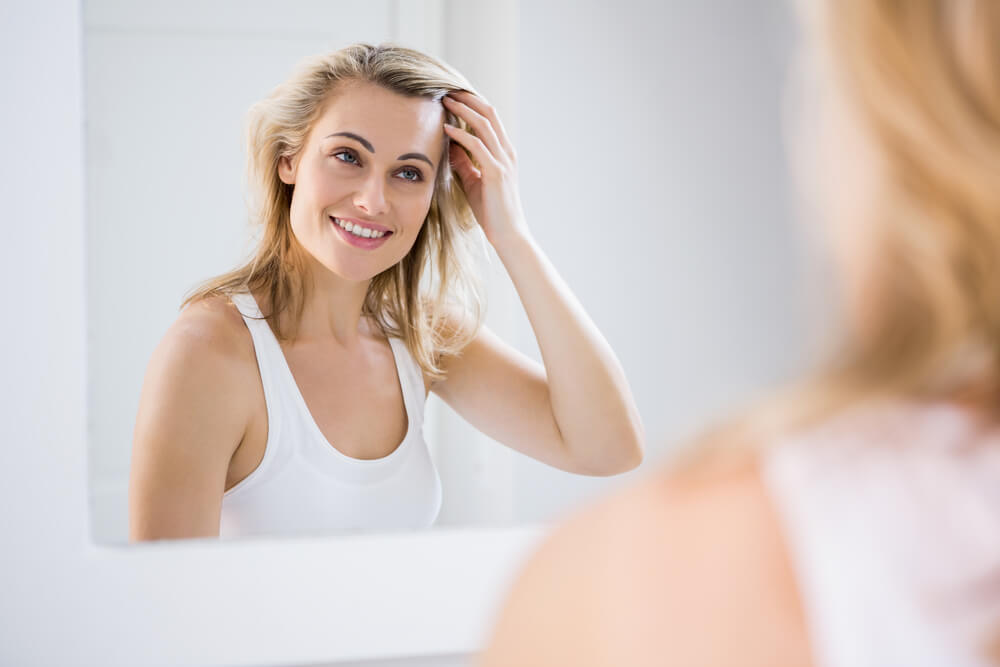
pixel 286 170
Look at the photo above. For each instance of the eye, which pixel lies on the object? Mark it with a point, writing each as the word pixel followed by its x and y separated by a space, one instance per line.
pixel 411 174
pixel 347 156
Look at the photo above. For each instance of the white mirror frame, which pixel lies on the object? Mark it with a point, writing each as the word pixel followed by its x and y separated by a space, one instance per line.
pixel 67 600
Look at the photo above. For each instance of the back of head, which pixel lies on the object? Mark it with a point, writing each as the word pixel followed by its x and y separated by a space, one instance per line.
pixel 912 201
pixel 922 77
pixel 876 503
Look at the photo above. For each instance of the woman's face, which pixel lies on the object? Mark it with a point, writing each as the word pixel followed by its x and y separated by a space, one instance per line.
pixel 368 164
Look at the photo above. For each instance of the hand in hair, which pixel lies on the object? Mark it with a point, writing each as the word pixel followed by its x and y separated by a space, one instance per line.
pixel 487 167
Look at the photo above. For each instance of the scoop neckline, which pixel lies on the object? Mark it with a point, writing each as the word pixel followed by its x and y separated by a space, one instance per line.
pixel 311 421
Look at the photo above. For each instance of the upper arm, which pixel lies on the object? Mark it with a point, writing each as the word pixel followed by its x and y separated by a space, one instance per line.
pixel 661 574
pixel 505 395
pixel 193 412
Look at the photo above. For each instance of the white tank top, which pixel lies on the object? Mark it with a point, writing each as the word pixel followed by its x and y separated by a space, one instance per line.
pixel 303 485
pixel 892 521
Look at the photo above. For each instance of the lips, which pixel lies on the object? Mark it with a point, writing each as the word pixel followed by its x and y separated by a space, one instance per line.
pixel 363 223
pixel 374 239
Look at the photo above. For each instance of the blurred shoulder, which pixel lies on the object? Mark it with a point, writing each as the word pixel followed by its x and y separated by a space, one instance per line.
pixel 656 573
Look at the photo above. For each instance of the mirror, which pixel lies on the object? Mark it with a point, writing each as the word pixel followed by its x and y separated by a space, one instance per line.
pixel 684 98
pixel 667 119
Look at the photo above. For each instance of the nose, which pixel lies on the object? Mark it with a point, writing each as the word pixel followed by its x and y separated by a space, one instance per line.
pixel 370 196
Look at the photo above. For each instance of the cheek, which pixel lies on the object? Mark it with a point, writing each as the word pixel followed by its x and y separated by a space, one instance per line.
pixel 414 206
pixel 833 161
pixel 851 189
pixel 323 186
pixel 837 172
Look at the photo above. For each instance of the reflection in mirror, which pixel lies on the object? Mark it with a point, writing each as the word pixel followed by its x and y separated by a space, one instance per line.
pixel 287 397
pixel 536 415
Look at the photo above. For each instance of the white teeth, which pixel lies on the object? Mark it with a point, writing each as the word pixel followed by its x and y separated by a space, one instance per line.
pixel 358 230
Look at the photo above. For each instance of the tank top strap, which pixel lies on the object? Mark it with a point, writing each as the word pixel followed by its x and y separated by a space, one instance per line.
pixel 253 317
pixel 266 347
pixel 411 379
pixel 274 369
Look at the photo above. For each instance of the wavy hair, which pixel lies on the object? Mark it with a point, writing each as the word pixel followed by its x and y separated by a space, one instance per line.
pixel 412 299
pixel 922 77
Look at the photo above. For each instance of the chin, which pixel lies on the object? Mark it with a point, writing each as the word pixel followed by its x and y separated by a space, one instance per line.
pixel 355 271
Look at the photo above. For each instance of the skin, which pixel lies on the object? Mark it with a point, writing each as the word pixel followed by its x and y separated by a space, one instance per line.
pixel 202 421
pixel 671 571
pixel 831 144
pixel 689 567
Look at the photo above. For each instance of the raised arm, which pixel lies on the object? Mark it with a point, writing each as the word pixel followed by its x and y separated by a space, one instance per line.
pixel 193 413
pixel 577 412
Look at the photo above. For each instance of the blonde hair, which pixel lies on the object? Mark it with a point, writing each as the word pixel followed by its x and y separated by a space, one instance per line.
pixel 413 298
pixel 923 77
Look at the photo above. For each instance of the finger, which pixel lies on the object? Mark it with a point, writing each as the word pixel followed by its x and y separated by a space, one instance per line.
pixel 462 163
pixel 481 125
pixel 486 109
pixel 477 149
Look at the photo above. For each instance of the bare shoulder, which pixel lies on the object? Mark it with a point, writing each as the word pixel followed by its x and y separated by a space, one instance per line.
pixel 194 410
pixel 674 569
pixel 207 354
pixel 211 326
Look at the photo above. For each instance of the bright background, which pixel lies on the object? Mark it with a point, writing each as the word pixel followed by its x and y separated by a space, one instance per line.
pixel 722 327
pixel 652 174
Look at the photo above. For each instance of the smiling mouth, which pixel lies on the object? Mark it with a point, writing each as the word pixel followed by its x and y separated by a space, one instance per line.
pixel 359 230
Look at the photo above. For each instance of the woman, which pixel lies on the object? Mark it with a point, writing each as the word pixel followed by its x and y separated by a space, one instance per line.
pixel 287 398
pixel 854 520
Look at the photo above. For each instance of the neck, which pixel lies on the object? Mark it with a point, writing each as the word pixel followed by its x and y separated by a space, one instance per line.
pixel 331 308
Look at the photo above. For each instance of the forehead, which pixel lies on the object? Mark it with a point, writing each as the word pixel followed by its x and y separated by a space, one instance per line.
pixel 394 124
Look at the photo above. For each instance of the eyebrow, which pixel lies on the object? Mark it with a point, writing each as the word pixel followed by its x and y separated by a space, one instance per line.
pixel 358 138
pixel 416 156
pixel 371 149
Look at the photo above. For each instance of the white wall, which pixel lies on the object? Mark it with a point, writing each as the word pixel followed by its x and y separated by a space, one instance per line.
pixel 653 175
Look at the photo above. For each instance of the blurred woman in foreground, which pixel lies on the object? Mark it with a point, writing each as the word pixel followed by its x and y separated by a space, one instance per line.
pixel 855 518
